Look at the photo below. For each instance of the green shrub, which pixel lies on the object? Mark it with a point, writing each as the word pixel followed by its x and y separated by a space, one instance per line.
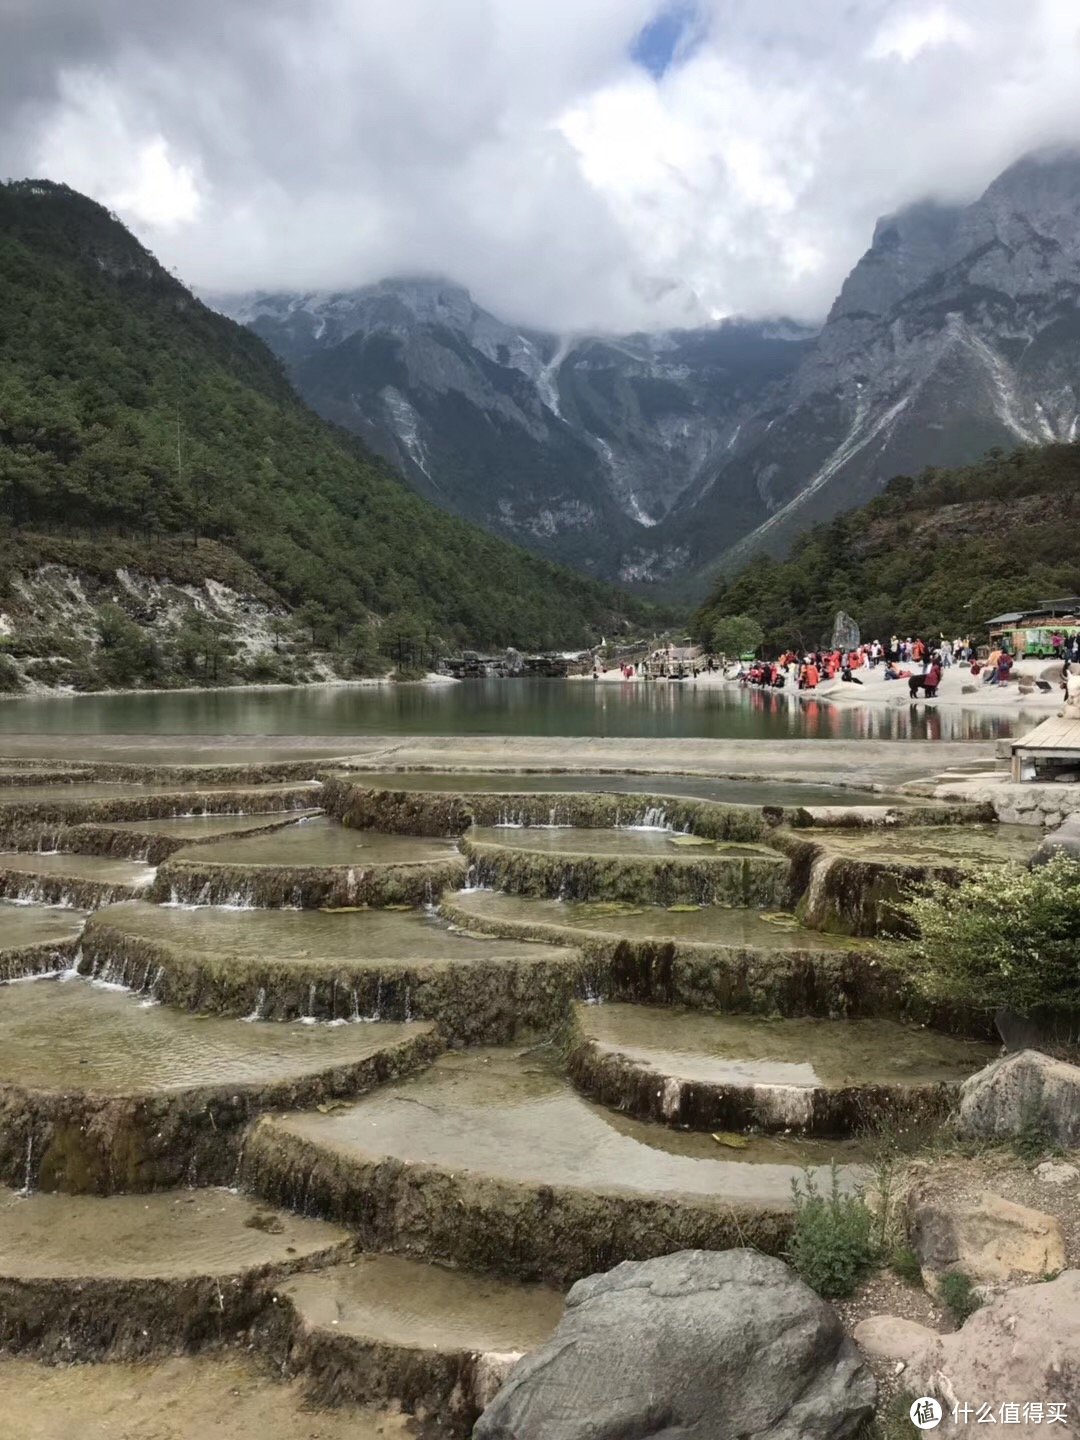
pixel 735 635
pixel 893 1419
pixel 9 676
pixel 904 1262
pixel 1035 1138
pixel 957 1294
pixel 1007 937
pixel 831 1244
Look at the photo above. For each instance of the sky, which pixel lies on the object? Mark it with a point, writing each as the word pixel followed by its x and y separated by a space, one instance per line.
pixel 578 164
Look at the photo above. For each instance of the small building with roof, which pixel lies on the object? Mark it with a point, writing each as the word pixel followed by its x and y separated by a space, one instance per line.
pixel 1033 631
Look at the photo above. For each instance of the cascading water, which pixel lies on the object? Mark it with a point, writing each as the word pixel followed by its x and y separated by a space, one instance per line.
pixel 260 1006
pixel 28 1172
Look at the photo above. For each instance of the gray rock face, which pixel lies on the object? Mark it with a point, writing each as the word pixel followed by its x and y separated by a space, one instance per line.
pixel 574 446
pixel 951 335
pixel 1064 840
pixel 996 1102
pixel 693 1346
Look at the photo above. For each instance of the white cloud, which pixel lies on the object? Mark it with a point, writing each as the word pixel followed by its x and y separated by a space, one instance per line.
pixel 906 37
pixel 514 145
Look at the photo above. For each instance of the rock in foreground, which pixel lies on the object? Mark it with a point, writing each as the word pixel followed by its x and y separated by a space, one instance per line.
pixel 1023 1347
pixel 703 1345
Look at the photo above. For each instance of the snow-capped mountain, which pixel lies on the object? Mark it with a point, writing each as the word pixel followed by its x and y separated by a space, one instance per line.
pixel 649 458
pixel 958 331
pixel 578 446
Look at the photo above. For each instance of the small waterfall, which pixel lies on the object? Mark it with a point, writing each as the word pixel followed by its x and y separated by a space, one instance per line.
pixel 408 1006
pixel 260 1006
pixel 28 1172
pixel 72 972
pixel 239 1170
pixel 308 1017
pixel 376 1014
pixel 355 1016
pixel 814 903
pixel 592 992
pixel 654 817
pixel 151 981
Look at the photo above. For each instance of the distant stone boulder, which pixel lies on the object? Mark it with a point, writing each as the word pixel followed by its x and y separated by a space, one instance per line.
pixel 845 632
pixel 701 1345
pixel 996 1103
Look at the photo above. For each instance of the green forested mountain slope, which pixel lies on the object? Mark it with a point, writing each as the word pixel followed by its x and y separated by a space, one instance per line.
pixel 941 553
pixel 105 359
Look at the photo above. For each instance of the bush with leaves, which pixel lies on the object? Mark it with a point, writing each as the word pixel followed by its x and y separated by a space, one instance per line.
pixel 832 1242
pixel 959 1296
pixel 735 635
pixel 10 680
pixel 1005 938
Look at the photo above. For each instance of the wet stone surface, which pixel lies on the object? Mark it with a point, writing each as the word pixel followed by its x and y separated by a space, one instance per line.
pixel 511 1115
pixel 99 869
pixel 425 1306
pixel 934 845
pixel 22 925
pixel 195 828
pixel 320 842
pixel 65 1035
pixel 692 787
pixel 626 843
pixel 749 1050
pixel 181 1398
pixel 58 795
pixel 696 924
pixel 359 939
pixel 175 1234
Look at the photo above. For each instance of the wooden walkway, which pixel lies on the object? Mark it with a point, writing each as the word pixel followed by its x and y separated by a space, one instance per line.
pixel 1055 739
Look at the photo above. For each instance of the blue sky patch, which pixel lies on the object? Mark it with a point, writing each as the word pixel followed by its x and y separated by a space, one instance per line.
pixel 656 46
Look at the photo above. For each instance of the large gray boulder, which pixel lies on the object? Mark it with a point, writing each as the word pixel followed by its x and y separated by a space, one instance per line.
pixel 996 1103
pixel 700 1345
pixel 1022 1347
pixel 1065 840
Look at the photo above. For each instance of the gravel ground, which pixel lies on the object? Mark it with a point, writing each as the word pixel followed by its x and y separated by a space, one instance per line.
pixel 964 1177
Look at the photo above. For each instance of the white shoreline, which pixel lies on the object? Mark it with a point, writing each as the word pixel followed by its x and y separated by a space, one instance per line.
pixel 877 692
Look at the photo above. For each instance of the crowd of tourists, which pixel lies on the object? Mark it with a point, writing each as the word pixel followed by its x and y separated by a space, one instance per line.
pixel 918 661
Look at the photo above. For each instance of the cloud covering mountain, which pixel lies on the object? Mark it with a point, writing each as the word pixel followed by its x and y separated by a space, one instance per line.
pixel 607 165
